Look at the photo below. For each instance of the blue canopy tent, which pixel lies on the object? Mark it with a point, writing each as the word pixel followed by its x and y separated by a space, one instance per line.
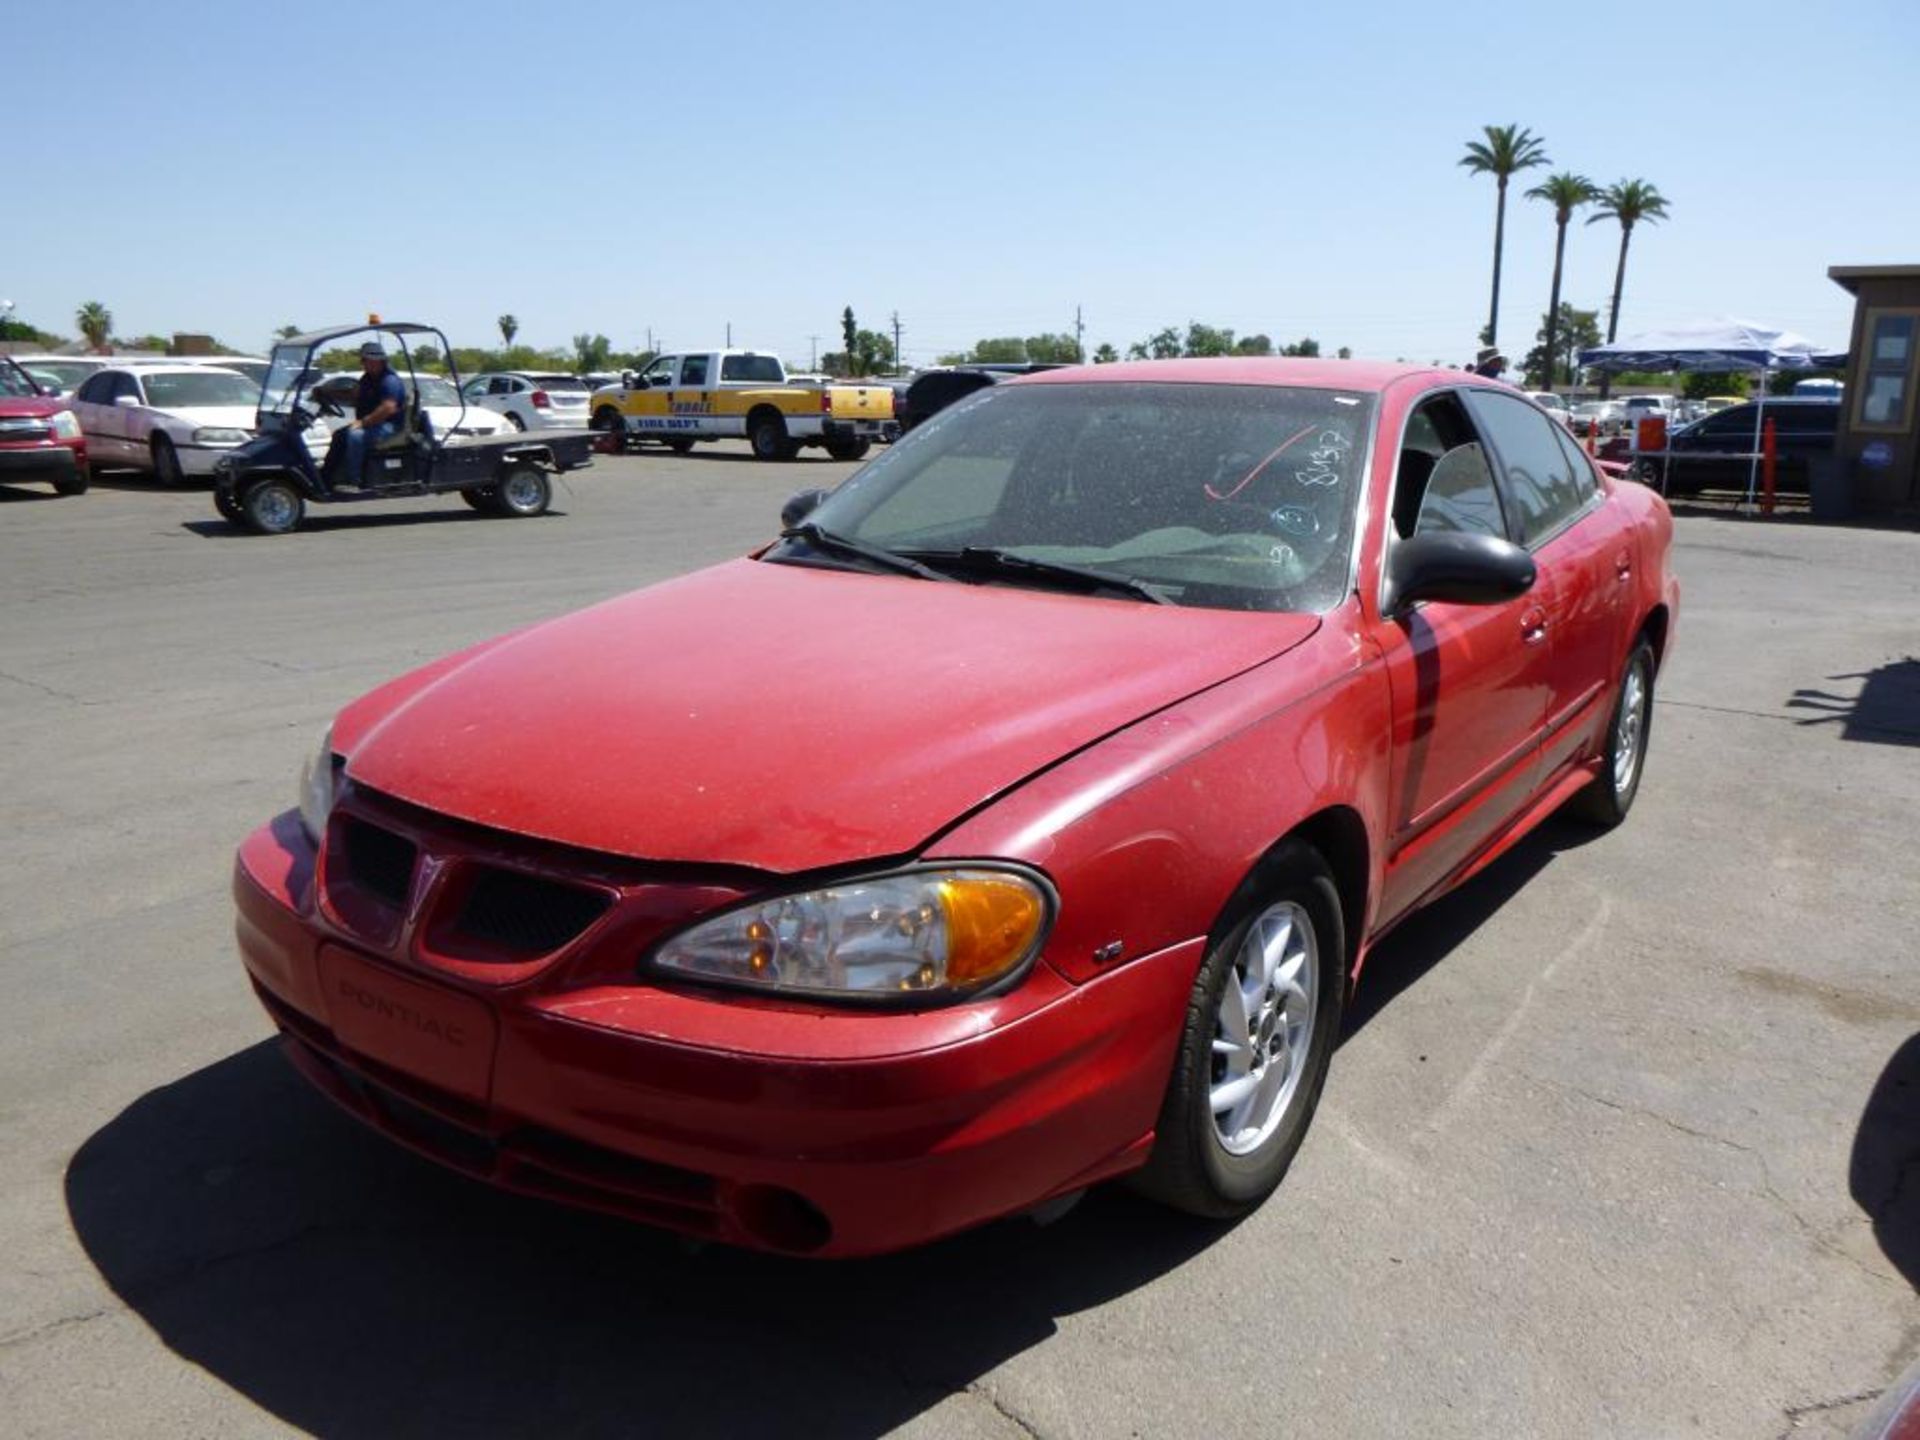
pixel 1718 347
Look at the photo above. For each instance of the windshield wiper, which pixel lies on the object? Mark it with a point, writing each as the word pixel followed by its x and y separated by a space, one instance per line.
pixel 835 544
pixel 1008 562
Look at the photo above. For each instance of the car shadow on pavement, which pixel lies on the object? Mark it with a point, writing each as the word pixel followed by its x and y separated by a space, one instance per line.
pixel 1424 939
pixel 1883 1174
pixel 218 529
pixel 17 490
pixel 1885 712
pixel 353 1290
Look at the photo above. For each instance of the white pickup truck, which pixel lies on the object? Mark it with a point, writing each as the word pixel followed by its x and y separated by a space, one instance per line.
pixel 682 399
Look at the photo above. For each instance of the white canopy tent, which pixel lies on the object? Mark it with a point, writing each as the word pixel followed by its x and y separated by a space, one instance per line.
pixel 1718 347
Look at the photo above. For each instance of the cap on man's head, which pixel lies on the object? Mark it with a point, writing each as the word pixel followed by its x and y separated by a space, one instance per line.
pixel 1485 357
pixel 372 351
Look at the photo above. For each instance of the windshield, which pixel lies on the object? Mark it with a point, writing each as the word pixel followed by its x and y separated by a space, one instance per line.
pixel 286 366
pixel 190 389
pixel 68 372
pixel 14 381
pixel 1231 496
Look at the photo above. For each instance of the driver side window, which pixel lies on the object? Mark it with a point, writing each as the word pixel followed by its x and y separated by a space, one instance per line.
pixel 1445 482
pixel 660 372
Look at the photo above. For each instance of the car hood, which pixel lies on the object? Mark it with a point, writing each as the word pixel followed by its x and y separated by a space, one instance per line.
pixel 35 407
pixel 212 417
pixel 783 717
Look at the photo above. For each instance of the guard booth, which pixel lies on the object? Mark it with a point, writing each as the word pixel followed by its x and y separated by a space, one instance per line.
pixel 1880 423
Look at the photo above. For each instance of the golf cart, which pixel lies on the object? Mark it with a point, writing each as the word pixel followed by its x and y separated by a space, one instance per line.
pixel 266 484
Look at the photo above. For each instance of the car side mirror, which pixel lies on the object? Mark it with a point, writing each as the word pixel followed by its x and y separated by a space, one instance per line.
pixel 132 402
pixel 628 380
pixel 799 507
pixel 1457 566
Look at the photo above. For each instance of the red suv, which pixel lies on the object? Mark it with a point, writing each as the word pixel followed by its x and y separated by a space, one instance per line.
pixel 40 437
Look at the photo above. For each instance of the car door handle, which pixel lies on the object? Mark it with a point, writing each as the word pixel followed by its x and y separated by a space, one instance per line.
pixel 1533 625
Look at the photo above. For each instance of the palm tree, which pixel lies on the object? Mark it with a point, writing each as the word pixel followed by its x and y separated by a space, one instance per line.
pixel 1506 151
pixel 1629 202
pixel 1566 192
pixel 509 327
pixel 95 322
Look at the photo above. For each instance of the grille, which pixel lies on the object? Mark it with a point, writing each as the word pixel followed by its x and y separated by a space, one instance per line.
pixel 380 862
pixel 526 914
pixel 25 428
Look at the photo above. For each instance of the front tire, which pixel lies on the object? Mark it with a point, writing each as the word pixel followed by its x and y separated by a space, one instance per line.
pixel 74 484
pixel 483 498
pixel 1260 1028
pixel 1607 799
pixel 272 507
pixel 614 425
pixel 166 462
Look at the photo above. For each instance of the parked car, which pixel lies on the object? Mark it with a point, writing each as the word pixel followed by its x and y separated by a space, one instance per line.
pixel 67 370
pixel 532 401
pixel 40 437
pixel 1597 417
pixel 1716 453
pixel 1163 691
pixel 254 367
pixel 1714 403
pixel 1553 404
pixel 169 419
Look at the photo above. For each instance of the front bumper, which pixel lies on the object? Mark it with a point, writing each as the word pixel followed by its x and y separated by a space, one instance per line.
pixel 50 460
pixel 201 460
pixel 778 1128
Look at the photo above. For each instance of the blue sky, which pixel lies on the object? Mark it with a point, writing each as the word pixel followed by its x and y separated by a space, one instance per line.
pixel 980 169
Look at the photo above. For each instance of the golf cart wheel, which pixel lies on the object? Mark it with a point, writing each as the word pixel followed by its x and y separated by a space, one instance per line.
pixel 74 484
pixel 680 447
pixel 484 498
pixel 272 507
pixel 768 436
pixel 166 462
pixel 524 492
pixel 228 506
pixel 849 449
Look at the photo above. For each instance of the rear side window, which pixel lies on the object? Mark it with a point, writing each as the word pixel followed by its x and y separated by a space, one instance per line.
pixel 754 369
pixel 693 370
pixel 96 389
pixel 1538 482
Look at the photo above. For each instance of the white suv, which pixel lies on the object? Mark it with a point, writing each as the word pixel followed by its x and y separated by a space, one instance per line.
pixel 532 401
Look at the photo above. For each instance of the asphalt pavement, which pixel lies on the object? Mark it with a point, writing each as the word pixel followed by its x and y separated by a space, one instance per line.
pixel 1623 1139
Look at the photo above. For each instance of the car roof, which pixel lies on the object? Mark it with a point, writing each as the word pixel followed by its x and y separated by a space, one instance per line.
pixel 1317 374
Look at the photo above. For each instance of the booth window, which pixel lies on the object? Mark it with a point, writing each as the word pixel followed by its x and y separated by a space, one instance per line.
pixel 1886 376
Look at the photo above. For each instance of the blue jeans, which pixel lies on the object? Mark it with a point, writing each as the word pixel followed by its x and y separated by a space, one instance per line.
pixel 353 446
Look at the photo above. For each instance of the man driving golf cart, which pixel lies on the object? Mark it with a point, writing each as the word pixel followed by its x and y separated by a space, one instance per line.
pixel 379 411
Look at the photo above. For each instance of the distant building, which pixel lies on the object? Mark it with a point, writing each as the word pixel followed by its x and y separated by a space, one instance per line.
pixel 1880 423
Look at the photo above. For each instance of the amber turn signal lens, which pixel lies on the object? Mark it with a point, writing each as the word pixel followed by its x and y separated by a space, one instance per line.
pixel 992 922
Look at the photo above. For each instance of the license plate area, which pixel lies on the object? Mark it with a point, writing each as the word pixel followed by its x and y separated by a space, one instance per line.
pixel 427 1031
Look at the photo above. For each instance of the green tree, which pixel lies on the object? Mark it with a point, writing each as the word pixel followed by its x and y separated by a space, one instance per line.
pixel 1699 384
pixel 286 332
pixel 1571 331
pixel 509 327
pixel 592 352
pixel 1053 349
pixel 94 321
pixel 1106 354
pixel 11 329
pixel 428 357
pixel 1205 340
pixel 1003 350
pixel 1630 202
pixel 1344 353
pixel 851 332
pixel 1309 348
pixel 1505 152
pixel 1566 192
pixel 1161 345
pixel 1253 345
pixel 873 352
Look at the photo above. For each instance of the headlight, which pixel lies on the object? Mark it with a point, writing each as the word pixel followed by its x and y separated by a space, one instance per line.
pixel 941 934
pixel 316 789
pixel 219 435
pixel 66 425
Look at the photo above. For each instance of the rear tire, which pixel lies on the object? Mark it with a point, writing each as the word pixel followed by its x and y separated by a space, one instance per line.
pixel 1253 1057
pixel 680 447
pixel 523 492
pixel 849 449
pixel 768 436
pixel 272 507
pixel 514 422
pixel 1607 799
pixel 166 462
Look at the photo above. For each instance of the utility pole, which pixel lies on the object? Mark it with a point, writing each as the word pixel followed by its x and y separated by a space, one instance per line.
pixel 896 342
pixel 814 363
pixel 729 334
pixel 650 349
pixel 1079 334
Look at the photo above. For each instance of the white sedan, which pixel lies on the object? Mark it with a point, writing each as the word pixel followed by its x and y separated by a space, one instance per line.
pixel 171 420
pixel 532 400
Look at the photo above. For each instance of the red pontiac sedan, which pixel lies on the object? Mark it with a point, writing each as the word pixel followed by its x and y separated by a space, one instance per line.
pixel 1020 819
